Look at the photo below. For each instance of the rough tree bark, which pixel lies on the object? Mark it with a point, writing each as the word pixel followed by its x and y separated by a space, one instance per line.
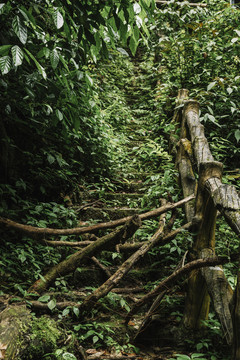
pixel 212 196
pixel 221 294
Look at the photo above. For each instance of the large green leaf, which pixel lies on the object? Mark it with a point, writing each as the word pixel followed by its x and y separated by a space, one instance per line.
pixel 19 29
pixel 4 49
pixel 5 64
pixel 17 55
pixel 2 8
pixel 58 19
pixel 133 45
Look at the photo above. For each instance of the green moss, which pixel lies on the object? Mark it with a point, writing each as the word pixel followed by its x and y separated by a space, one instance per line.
pixel 44 338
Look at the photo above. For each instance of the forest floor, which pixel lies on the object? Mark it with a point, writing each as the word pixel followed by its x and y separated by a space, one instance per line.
pixel 144 174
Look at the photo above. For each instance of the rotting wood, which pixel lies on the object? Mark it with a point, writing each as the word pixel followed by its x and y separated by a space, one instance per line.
pixel 45 232
pixel 106 287
pixel 221 294
pixel 166 283
pixel 70 264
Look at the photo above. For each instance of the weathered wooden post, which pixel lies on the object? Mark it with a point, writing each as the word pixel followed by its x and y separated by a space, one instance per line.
pixel 198 300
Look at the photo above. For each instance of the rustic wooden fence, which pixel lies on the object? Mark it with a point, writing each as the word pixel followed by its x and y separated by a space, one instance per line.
pixel 193 156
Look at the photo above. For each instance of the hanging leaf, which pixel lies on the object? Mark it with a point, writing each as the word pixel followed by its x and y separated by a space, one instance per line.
pixel 237 135
pixel 133 45
pixel 54 58
pixel 59 114
pixel 122 51
pixel 211 85
pixel 89 80
pixel 237 31
pixel 51 159
pixel 39 67
pixel 17 55
pixel 58 19
pixel 19 29
pixel 28 16
pixel 4 49
pixel 5 64
pixel 2 8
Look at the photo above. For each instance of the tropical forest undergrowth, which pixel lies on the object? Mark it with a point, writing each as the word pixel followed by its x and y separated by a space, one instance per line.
pixel 126 169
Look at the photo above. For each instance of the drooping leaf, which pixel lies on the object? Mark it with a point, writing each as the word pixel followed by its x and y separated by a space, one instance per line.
pixel 122 51
pixel 58 19
pixel 51 159
pixel 76 310
pixel 133 45
pixel 39 67
pixel 211 85
pixel 54 58
pixel 59 114
pixel 5 64
pixel 237 135
pixel 2 8
pixel 237 31
pixel 19 29
pixel 4 49
pixel 17 55
pixel 52 304
pixel 234 40
pixel 28 16
pixel 89 80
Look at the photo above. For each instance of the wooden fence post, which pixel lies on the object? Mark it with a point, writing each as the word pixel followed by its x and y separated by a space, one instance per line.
pixel 198 299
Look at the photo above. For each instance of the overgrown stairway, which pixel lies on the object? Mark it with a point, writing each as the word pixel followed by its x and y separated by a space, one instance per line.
pixel 139 163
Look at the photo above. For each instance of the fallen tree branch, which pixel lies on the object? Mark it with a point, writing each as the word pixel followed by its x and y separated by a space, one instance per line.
pixel 164 285
pixel 67 243
pixel 165 239
pixel 44 232
pixel 101 266
pixel 106 287
pixel 165 2
pixel 70 264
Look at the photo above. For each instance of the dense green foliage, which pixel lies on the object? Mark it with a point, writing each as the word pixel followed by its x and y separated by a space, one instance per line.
pixel 52 131
pixel 70 75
